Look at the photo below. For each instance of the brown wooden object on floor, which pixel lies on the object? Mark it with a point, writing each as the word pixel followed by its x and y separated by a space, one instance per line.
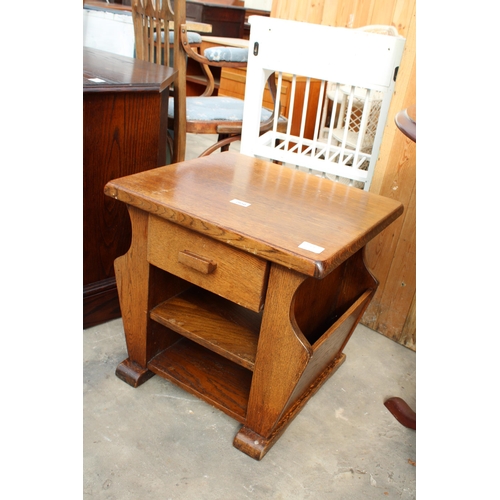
pixel 406 121
pixel 402 412
pixel 244 281
pixel 124 131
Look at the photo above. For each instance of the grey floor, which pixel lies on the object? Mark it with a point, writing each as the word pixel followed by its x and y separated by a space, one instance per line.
pixel 159 442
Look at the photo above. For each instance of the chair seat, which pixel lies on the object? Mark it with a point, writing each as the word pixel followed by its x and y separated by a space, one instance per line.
pixel 227 54
pixel 193 37
pixel 215 108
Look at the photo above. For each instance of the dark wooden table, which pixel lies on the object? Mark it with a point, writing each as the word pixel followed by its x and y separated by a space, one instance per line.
pixel 124 131
pixel 244 281
pixel 225 18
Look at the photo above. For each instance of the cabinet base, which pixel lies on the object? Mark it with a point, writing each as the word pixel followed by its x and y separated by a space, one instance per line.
pixel 255 445
pixel 100 303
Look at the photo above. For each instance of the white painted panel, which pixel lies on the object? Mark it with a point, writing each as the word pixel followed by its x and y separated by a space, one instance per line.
pixel 108 31
pixel 360 58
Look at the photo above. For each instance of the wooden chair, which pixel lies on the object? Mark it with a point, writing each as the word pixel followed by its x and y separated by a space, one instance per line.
pixel 204 114
pixel 363 64
pixel 213 114
pixel 152 20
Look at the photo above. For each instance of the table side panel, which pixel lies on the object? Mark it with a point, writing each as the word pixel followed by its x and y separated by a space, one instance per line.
pixel 112 147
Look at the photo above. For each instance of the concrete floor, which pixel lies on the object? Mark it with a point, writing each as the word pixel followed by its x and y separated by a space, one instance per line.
pixel 159 442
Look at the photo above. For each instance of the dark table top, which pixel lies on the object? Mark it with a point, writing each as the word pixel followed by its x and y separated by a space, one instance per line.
pixel 104 71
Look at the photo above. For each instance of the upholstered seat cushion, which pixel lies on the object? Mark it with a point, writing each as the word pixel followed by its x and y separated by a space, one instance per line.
pixel 214 108
pixel 193 37
pixel 227 54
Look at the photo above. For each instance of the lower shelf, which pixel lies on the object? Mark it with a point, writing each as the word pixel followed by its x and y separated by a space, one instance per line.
pixel 207 375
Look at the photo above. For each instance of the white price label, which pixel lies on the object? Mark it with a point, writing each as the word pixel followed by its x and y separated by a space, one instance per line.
pixel 240 203
pixel 312 248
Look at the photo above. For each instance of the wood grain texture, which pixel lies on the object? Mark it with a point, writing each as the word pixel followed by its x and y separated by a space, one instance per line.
pixel 141 285
pixel 327 311
pixel 132 280
pixel 220 325
pixel 319 303
pixel 281 359
pixel 196 262
pixel 208 376
pixel 255 445
pixel 232 266
pixel 124 131
pixel 339 219
pixel 252 215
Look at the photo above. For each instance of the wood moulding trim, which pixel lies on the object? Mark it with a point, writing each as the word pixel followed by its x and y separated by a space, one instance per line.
pixel 100 302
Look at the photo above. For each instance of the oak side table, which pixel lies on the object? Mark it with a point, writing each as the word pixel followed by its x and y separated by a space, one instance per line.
pixel 243 283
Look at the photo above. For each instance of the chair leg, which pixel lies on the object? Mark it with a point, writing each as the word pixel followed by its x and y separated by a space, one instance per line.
pixel 402 412
pixel 170 146
pixel 224 147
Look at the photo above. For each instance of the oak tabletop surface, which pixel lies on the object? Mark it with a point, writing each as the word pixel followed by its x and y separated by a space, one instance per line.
pixel 304 222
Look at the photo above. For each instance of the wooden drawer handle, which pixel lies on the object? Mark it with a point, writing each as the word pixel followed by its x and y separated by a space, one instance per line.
pixel 201 264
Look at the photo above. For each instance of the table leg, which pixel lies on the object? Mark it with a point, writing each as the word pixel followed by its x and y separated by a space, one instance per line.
pixel 140 286
pixel 305 326
pixel 282 356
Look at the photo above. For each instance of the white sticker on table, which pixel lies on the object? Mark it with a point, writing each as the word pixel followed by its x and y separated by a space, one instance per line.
pixel 240 203
pixel 305 245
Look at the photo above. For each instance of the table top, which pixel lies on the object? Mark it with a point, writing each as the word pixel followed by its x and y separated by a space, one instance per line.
pixel 301 221
pixel 105 71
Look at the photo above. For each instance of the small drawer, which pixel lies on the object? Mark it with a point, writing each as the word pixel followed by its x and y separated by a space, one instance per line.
pixel 226 271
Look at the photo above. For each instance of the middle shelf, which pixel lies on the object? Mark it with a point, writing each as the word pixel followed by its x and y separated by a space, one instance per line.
pixel 213 322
